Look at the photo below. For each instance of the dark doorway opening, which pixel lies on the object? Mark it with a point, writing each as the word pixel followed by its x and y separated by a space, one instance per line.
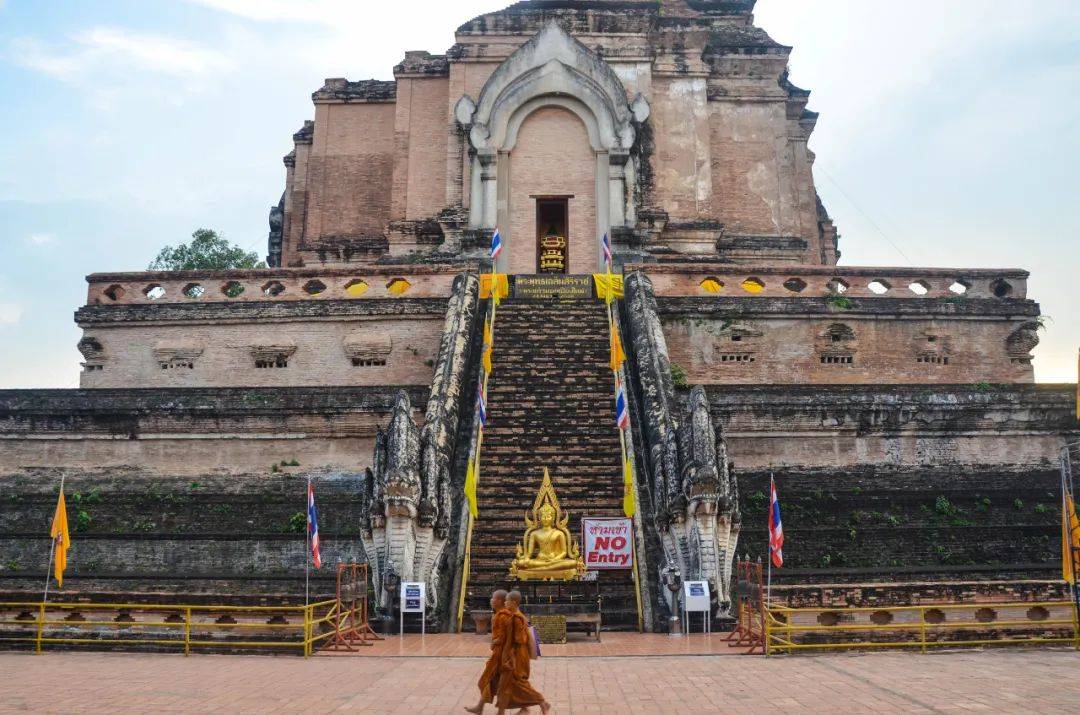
pixel 552 242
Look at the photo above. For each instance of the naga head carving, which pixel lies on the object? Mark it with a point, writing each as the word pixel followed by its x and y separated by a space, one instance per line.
pixel 401 483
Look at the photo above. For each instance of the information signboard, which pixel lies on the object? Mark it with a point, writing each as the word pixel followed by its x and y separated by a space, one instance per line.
pixel 413 601
pixel 547 286
pixel 696 599
pixel 609 542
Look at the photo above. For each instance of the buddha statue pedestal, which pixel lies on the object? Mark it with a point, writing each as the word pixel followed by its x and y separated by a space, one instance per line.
pixel 547 551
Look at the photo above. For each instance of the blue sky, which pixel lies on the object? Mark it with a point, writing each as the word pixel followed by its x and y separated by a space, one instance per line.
pixel 949 136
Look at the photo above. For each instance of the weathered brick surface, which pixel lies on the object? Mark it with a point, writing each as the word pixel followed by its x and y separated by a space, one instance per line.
pixel 350 171
pixel 191 431
pixel 552 157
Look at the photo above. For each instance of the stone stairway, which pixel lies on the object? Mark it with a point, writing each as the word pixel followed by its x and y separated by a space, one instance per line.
pixel 550 404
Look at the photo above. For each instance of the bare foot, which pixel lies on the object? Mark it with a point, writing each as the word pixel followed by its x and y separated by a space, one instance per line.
pixel 475 710
pixel 545 707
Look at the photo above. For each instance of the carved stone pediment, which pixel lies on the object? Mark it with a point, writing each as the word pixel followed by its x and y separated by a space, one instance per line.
pixel 367 346
pixel 172 354
pixel 92 350
pixel 1022 341
pixel 837 339
pixel 933 345
pixel 271 352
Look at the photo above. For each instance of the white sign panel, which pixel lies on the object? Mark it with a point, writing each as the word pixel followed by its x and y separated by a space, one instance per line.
pixel 696 596
pixel 412 597
pixel 609 543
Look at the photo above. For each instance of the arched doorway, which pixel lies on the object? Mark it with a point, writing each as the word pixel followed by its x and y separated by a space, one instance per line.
pixel 552 195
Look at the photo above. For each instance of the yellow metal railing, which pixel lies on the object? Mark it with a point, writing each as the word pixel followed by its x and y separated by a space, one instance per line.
pixel 181 626
pixel 796 629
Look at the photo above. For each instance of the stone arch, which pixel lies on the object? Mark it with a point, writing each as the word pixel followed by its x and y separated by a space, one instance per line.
pixel 551 69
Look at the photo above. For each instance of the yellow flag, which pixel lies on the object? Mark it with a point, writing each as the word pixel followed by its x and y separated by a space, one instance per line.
pixel 489 344
pixel 603 280
pixel 617 353
pixel 61 539
pixel 500 281
pixel 629 504
pixel 470 487
pixel 1070 537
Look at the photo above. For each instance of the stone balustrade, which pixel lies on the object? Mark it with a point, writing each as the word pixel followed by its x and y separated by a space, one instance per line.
pixel 730 280
pixel 295 284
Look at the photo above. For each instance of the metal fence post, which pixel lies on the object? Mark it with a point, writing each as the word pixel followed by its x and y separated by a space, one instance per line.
pixel 40 625
pixel 307 631
pixel 922 627
pixel 187 631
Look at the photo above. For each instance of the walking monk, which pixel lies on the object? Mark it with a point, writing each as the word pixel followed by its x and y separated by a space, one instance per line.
pixel 514 688
pixel 500 628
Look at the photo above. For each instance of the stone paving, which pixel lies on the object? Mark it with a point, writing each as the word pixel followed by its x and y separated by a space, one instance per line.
pixel 999 681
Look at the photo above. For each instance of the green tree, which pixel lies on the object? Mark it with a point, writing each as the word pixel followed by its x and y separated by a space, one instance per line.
pixel 207 252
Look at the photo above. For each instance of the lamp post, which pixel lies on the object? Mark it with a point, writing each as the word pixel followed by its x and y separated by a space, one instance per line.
pixel 672 579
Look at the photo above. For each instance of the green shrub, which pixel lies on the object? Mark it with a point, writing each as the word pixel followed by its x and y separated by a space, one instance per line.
pixel 678 375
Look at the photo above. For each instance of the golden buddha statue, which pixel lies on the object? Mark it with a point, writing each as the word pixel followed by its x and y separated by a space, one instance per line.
pixel 547 551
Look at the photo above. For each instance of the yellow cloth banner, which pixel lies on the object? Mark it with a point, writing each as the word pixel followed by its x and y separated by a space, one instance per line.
pixel 602 291
pixel 617 353
pixel 61 539
pixel 629 504
pixel 489 344
pixel 502 283
pixel 470 487
pixel 1070 537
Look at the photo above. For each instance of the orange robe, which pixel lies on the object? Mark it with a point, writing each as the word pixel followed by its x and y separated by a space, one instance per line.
pixel 489 679
pixel 514 688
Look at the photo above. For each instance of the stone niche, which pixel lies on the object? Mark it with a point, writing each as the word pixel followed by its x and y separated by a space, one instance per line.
pixel 367 348
pixel 272 356
pixel 173 356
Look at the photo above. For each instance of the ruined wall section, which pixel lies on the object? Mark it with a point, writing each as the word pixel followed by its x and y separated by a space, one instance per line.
pixel 854 325
pixel 286 327
pixel 351 169
pixel 192 431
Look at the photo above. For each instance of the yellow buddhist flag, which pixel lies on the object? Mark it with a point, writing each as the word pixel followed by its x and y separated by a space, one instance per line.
pixel 609 286
pixel 1070 538
pixel 617 353
pixel 497 279
pixel 470 487
pixel 60 538
pixel 629 504
pixel 489 345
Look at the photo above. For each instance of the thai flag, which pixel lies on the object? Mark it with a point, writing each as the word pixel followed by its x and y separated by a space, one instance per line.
pixel 481 405
pixel 496 244
pixel 622 414
pixel 607 249
pixel 313 526
pixel 776 529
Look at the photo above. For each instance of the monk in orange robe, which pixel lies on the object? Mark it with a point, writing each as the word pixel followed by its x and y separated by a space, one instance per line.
pixel 500 629
pixel 514 688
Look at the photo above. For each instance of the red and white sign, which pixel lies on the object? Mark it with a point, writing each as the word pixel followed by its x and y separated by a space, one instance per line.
pixel 609 543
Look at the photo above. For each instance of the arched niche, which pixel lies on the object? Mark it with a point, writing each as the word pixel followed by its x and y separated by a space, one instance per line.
pixel 551 70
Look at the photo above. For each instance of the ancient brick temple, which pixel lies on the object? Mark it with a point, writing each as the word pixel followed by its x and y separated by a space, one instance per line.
pixel 895 406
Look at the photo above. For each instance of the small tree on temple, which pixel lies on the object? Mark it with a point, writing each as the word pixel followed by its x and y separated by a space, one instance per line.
pixel 207 252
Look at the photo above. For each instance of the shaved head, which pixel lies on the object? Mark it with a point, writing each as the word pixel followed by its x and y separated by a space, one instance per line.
pixel 514 597
pixel 499 595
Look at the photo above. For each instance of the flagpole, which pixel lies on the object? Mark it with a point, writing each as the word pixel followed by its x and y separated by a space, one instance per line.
pixel 307 544
pixel 52 547
pixel 768 578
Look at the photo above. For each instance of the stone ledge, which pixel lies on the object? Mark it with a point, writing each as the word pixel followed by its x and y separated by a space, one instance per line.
pixel 915 307
pixel 94 315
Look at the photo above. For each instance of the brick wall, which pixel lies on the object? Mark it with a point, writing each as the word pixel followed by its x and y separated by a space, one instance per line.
pixel 192 431
pixel 552 156
pixel 421 117
pixel 350 170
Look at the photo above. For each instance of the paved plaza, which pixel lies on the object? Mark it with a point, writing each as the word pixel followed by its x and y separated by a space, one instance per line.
pixel 993 681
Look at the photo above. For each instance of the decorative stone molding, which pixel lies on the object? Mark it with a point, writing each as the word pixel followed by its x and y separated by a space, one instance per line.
pixel 552 69
pixel 271 355
pixel 694 499
pixel 176 355
pixel 1021 342
pixel 408 502
pixel 93 353
pixel 367 347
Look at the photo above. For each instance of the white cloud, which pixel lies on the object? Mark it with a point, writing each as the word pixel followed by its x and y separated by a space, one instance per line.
pixel 95 54
pixel 10 314
pixel 40 239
